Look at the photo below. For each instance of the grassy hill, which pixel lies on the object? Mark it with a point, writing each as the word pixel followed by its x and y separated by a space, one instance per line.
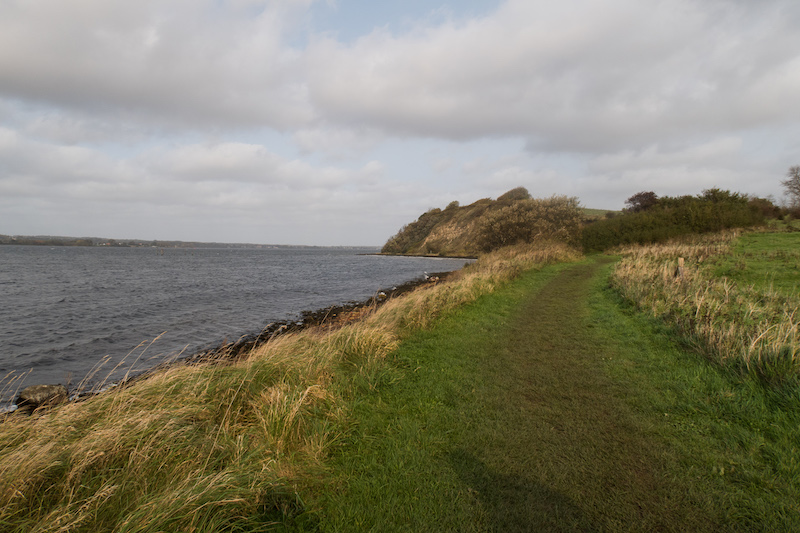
pixel 452 231
pixel 489 224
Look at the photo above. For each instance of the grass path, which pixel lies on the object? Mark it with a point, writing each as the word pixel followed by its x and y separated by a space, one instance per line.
pixel 577 455
pixel 573 438
pixel 543 407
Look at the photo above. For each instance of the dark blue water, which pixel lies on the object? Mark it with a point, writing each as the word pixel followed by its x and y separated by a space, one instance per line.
pixel 63 309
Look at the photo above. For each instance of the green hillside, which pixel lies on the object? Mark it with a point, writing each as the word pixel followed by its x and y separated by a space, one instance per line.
pixel 488 224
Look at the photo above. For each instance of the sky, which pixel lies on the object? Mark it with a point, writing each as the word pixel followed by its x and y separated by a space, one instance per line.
pixel 336 122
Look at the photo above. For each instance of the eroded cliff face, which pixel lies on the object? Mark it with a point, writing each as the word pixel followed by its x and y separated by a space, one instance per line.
pixel 452 237
pixel 451 231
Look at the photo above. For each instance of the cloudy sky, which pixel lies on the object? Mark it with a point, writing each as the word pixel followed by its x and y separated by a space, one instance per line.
pixel 336 122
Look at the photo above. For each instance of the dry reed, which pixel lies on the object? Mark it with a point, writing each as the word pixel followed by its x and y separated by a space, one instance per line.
pixel 737 325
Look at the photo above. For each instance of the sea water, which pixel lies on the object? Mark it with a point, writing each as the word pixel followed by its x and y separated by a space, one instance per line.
pixel 64 310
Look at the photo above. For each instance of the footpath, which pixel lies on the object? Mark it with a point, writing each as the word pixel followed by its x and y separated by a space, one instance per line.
pixel 509 421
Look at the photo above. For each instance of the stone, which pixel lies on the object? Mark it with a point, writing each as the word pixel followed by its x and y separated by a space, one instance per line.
pixel 35 396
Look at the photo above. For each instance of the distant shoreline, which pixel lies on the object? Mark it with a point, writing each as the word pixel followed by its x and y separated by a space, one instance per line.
pixel 98 242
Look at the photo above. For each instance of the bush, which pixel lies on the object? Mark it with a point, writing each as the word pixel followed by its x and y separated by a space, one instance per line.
pixel 530 220
pixel 765 207
pixel 514 195
pixel 414 233
pixel 714 210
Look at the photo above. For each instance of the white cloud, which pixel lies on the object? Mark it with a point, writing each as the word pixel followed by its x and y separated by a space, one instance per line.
pixel 185 62
pixel 196 111
pixel 337 142
pixel 717 152
pixel 578 75
pixel 227 182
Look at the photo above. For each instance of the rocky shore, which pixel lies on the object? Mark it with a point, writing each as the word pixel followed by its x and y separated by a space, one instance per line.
pixel 37 397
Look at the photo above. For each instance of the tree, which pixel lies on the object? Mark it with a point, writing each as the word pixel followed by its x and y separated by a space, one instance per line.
pixel 792 185
pixel 641 201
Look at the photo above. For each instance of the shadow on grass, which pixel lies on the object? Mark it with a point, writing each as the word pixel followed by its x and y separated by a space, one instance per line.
pixel 514 503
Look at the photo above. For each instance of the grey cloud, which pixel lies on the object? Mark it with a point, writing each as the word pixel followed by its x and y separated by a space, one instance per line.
pixel 98 99
pixel 192 63
pixel 581 75
pixel 575 76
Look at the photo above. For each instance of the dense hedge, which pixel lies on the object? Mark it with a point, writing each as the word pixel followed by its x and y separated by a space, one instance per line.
pixel 669 217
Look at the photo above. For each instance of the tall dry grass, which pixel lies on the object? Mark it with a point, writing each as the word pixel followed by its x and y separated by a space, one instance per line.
pixel 222 446
pixel 737 325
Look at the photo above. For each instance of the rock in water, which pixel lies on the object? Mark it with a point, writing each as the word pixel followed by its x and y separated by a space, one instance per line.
pixel 35 396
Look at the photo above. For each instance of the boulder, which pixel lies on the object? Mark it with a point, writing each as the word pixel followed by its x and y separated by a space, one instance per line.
pixel 35 396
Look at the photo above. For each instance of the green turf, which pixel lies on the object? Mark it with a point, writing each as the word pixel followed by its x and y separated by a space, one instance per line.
pixel 765 260
pixel 550 407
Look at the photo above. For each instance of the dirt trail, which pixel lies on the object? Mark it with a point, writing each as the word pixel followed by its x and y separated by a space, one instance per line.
pixel 575 459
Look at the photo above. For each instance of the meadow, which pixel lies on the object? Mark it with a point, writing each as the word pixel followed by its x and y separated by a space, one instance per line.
pixel 735 296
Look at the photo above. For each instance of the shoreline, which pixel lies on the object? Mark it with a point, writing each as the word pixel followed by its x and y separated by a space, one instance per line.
pixel 323 316
pixel 427 256
pixel 230 352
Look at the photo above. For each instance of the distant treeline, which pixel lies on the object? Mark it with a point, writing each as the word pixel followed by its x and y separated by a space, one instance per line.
pixel 47 240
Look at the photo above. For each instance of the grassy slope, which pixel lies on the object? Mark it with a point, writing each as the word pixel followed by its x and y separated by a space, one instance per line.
pixel 597 213
pixel 546 406
pixel 546 403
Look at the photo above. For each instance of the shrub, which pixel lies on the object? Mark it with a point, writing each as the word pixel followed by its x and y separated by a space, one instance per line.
pixel 713 210
pixel 531 220
pixel 514 195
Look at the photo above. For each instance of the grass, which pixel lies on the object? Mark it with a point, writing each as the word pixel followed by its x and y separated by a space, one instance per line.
pixel 765 260
pixel 591 213
pixel 225 446
pixel 553 406
pixel 753 328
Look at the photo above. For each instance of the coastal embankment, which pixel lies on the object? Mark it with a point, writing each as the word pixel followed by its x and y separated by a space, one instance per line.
pixel 229 444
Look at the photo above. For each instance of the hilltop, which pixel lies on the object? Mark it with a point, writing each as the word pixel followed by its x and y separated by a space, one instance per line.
pixel 488 224
pixel 516 217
